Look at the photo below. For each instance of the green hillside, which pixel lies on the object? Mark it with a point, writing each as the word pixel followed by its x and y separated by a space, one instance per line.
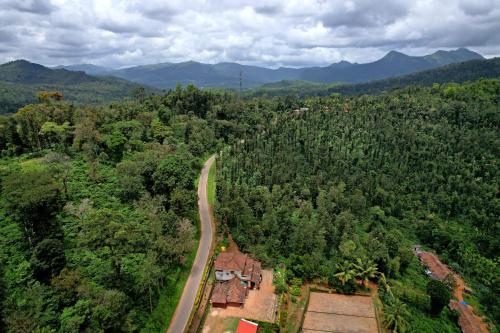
pixel 20 81
pixel 458 73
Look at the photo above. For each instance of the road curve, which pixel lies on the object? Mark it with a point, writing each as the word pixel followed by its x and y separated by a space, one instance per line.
pixel 181 315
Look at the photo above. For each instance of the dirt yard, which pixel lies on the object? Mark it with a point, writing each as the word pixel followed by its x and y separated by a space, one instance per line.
pixel 259 305
pixel 340 313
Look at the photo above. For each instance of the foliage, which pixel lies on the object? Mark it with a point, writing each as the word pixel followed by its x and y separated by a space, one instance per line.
pixel 439 295
pixel 21 82
pixel 97 215
pixel 395 314
pixel 365 178
pixel 459 73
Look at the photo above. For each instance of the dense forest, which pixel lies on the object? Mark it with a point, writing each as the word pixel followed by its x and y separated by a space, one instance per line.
pixel 98 203
pixel 98 211
pixel 358 180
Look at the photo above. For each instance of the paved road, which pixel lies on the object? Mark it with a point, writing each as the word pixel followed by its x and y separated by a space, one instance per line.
pixel 186 303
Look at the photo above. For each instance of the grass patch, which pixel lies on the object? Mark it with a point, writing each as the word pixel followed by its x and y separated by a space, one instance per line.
pixel 294 311
pixel 169 297
pixel 211 185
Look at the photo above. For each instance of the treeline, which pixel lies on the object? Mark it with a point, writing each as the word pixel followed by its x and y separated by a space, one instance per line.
pixel 355 181
pixel 98 208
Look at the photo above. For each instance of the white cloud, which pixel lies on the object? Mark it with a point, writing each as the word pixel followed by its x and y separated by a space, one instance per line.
pixel 270 33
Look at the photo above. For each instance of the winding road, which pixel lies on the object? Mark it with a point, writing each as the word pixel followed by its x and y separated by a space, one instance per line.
pixel 181 315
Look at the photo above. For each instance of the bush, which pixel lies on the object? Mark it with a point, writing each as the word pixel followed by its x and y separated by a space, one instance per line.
pixel 440 295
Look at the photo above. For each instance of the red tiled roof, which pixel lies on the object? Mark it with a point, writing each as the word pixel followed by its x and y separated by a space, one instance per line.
pixel 231 261
pixel 232 291
pixel 256 272
pixel 245 326
pixel 236 292
pixel 219 294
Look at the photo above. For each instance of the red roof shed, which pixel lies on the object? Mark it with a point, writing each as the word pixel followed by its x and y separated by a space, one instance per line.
pixel 246 326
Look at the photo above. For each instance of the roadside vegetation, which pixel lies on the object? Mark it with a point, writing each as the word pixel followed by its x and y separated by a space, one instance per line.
pixel 98 209
pixel 211 184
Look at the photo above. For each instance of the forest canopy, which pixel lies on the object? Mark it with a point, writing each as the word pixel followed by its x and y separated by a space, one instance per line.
pixel 98 203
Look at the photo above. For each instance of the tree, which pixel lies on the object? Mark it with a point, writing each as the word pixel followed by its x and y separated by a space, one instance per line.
pixel 365 270
pixel 345 272
pixel 395 314
pixel 440 295
pixel 48 259
pixel 173 171
pixel 33 199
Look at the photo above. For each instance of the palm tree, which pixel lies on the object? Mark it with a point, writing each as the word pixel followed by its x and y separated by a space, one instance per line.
pixel 345 273
pixel 395 314
pixel 384 285
pixel 365 270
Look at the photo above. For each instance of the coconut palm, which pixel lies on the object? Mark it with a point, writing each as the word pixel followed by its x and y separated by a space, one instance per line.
pixel 365 270
pixel 384 285
pixel 395 314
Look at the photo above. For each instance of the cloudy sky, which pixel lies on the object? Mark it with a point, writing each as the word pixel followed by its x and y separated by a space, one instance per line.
pixel 271 33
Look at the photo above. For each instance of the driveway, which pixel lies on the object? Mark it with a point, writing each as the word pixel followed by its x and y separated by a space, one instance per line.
pixel 181 315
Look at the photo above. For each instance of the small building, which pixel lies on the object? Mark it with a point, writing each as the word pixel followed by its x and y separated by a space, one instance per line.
pixel 235 274
pixel 230 265
pixel 246 326
pixel 229 293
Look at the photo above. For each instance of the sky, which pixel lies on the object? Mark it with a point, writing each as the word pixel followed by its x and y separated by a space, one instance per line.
pixel 295 33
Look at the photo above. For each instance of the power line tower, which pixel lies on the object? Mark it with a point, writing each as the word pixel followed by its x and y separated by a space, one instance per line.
pixel 241 84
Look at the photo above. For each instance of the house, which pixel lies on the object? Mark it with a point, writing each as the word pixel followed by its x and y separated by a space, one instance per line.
pixel 232 293
pixel 230 265
pixel 246 326
pixel 235 273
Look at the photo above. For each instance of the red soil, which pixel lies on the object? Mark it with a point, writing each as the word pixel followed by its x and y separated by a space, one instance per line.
pixel 468 321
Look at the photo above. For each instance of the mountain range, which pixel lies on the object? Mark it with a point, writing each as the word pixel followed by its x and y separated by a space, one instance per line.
pixel 20 81
pixel 457 73
pixel 227 74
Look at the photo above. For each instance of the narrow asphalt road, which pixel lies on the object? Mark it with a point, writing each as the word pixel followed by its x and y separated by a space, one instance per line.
pixel 186 303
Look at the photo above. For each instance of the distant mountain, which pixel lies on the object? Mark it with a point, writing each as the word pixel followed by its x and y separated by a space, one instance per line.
pixel 20 81
pixel 227 74
pixel 392 64
pixel 458 73
pixel 87 68
pixel 25 72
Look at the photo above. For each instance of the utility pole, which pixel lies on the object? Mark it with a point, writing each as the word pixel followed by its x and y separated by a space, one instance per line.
pixel 241 83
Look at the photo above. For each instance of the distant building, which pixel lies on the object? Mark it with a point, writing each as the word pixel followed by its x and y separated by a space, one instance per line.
pixel 246 326
pixel 235 273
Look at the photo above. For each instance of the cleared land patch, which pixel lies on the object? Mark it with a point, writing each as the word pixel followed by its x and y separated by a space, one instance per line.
pixel 339 313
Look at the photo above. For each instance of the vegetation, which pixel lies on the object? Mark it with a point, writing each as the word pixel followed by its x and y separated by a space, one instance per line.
pixel 211 184
pixel 439 294
pixel 98 213
pixel 458 73
pixel 20 81
pixel 364 178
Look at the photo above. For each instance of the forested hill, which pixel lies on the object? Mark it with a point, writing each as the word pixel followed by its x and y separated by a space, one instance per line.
pixel 98 204
pixel 352 182
pixel 20 81
pixel 98 209
pixel 457 73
